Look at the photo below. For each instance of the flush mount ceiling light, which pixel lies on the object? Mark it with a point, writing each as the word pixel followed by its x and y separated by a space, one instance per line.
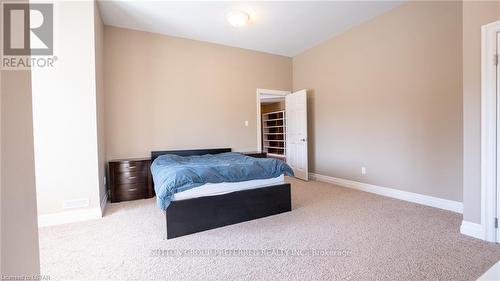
pixel 237 18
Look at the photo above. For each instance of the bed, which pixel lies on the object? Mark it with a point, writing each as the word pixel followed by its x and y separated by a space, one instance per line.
pixel 211 205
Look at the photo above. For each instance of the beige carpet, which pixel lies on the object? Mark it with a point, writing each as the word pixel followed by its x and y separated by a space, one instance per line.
pixel 363 237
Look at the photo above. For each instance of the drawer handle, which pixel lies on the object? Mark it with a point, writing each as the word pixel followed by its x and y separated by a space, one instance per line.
pixel 132 189
pixel 132 167
pixel 131 178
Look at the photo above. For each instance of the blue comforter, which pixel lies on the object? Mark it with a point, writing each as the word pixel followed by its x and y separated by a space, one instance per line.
pixel 172 173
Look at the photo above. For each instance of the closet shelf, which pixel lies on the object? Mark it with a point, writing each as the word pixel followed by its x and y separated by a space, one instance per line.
pixel 274 112
pixel 275 147
pixel 273 124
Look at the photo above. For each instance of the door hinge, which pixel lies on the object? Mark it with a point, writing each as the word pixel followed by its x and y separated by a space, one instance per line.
pixel 496 59
pixel 496 222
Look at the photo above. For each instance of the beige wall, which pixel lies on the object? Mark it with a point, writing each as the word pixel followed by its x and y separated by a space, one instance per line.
pixel 99 80
pixel 1 44
pixel 171 93
pixel 19 238
pixel 19 252
pixel 475 14
pixel 386 95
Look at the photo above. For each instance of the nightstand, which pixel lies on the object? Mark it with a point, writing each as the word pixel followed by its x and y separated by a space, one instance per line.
pixel 255 154
pixel 130 179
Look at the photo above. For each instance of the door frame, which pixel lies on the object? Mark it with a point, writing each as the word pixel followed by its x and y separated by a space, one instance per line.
pixel 489 127
pixel 278 93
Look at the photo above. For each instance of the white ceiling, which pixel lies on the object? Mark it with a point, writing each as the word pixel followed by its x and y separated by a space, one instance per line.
pixel 284 28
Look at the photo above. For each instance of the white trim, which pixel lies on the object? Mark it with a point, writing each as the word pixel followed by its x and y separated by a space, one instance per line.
pixel 488 129
pixel 259 117
pixel 273 92
pixel 475 230
pixel 70 216
pixel 436 202
pixel 74 215
pixel 104 202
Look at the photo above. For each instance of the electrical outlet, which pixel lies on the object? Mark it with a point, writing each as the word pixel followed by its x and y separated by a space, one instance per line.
pixel 246 123
pixel 363 170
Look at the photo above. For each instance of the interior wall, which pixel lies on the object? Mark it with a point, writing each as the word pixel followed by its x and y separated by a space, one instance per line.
pixel 386 95
pixel 164 92
pixel 19 236
pixel 1 241
pixel 475 14
pixel 65 114
pixel 99 80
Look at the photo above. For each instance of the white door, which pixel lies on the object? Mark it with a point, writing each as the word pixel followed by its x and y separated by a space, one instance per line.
pixel 296 133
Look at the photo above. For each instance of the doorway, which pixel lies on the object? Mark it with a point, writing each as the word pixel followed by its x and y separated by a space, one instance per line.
pixel 271 123
pixel 282 128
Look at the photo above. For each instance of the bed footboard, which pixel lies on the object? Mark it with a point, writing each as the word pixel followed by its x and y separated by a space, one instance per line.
pixel 204 213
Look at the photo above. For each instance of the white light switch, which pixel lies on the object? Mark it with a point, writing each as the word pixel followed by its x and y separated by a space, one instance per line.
pixel 363 170
pixel 246 123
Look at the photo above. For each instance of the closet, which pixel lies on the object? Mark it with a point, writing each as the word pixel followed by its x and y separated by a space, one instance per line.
pixel 274 129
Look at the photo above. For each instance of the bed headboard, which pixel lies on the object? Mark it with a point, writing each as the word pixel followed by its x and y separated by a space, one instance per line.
pixel 155 154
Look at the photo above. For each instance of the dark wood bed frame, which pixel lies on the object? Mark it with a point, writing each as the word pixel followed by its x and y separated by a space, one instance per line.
pixel 198 214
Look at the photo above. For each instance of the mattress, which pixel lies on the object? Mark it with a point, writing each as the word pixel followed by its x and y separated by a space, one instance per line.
pixel 211 189
pixel 174 174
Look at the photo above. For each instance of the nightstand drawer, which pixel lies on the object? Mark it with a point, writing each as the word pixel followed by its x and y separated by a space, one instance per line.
pixel 139 176
pixel 126 192
pixel 131 166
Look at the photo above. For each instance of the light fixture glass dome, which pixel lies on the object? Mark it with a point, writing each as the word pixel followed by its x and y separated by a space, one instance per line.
pixel 237 18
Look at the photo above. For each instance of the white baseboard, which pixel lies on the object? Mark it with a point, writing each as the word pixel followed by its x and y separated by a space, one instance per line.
pixel 475 230
pixel 74 215
pixel 69 216
pixel 104 202
pixel 436 202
